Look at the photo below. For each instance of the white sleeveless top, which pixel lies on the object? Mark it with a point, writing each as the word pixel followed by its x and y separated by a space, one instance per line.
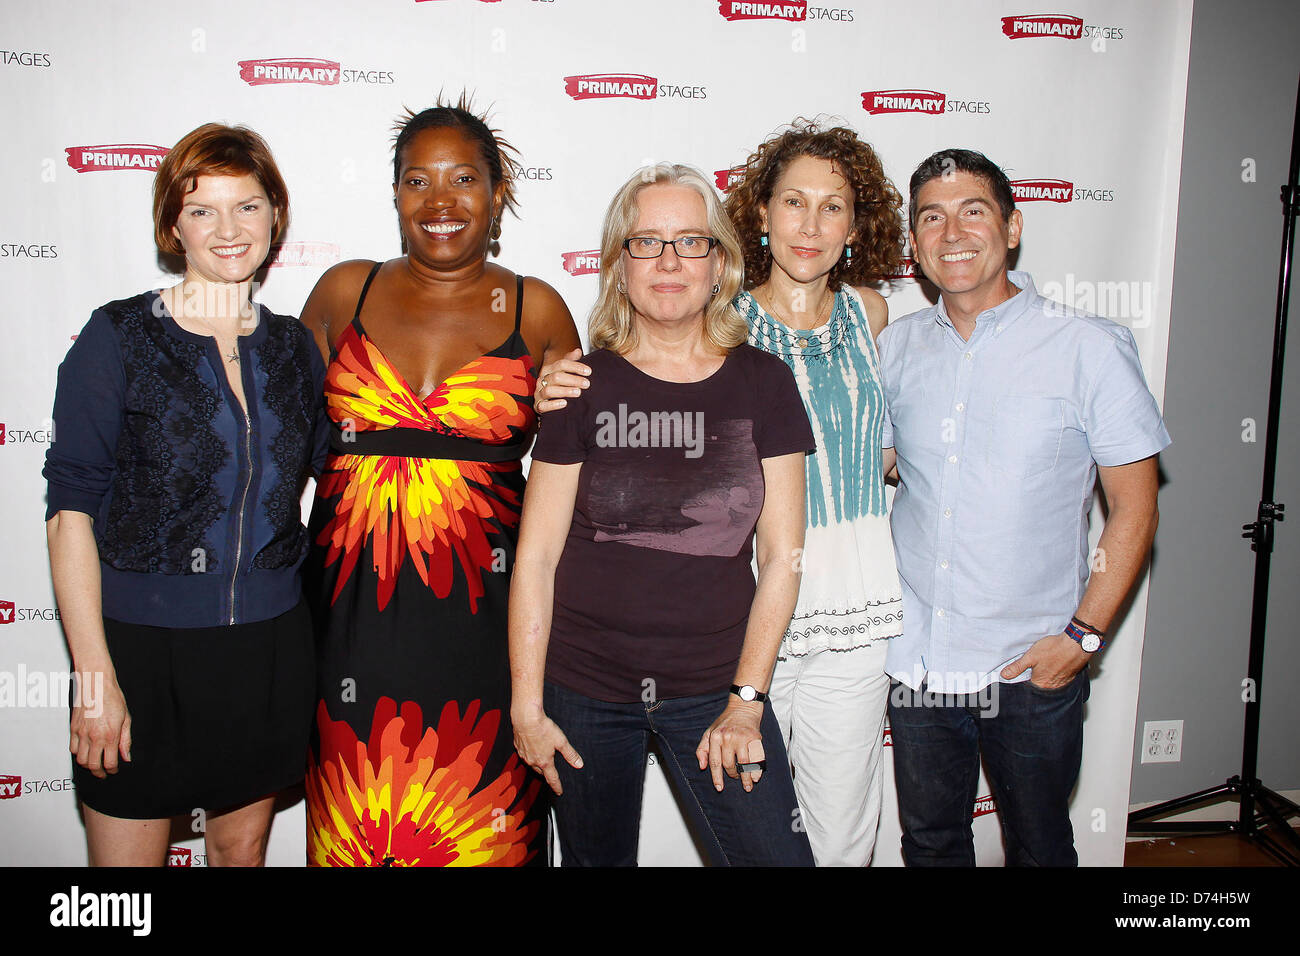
pixel 850 595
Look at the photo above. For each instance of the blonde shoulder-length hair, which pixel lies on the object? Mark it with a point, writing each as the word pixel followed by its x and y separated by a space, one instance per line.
pixel 611 325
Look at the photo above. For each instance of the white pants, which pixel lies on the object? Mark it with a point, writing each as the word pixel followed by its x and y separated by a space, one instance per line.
pixel 831 707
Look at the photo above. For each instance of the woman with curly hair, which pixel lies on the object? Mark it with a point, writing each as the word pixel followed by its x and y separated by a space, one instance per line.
pixel 819 221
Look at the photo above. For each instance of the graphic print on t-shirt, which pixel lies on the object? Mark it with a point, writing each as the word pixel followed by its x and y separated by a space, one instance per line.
pixel 702 506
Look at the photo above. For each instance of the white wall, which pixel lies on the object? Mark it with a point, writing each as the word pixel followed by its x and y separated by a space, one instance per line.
pixel 1101 111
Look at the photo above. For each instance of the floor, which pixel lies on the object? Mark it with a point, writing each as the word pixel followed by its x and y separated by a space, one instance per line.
pixel 1229 849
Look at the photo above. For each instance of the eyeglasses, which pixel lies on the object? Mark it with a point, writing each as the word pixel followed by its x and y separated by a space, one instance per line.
pixel 688 247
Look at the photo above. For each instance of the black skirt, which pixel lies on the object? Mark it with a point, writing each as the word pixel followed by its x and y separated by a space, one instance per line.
pixel 219 715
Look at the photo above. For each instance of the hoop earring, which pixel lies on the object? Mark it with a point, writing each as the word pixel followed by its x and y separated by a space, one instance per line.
pixel 622 289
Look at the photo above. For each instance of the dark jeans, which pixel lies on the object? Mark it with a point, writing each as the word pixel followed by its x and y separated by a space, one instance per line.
pixel 599 814
pixel 1032 742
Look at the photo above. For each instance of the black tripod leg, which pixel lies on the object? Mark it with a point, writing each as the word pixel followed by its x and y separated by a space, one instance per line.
pixel 1172 806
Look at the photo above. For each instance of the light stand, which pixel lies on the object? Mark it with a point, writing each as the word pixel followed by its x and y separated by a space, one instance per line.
pixel 1263 813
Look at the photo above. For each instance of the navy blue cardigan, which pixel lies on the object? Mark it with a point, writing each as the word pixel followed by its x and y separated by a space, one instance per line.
pixel 195 505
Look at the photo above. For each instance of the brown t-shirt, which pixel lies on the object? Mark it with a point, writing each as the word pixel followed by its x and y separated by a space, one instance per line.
pixel 655 582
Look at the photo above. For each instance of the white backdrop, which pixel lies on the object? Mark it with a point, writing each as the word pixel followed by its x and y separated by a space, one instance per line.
pixel 1083 107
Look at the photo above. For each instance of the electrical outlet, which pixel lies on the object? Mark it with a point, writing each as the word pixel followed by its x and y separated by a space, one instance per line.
pixel 1162 741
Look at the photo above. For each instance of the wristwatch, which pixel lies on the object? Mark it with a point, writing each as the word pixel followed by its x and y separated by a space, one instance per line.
pixel 1087 636
pixel 748 693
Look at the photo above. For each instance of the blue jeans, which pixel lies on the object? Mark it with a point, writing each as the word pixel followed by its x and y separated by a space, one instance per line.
pixel 1032 743
pixel 599 814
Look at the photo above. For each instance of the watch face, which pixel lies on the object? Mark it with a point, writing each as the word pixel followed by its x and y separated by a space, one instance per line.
pixel 1090 643
pixel 747 693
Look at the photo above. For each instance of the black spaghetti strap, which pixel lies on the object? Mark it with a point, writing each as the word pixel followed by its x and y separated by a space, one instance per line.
pixel 519 301
pixel 366 288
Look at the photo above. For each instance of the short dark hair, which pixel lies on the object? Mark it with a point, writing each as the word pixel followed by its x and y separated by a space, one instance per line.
pixel 500 156
pixel 213 150
pixel 947 161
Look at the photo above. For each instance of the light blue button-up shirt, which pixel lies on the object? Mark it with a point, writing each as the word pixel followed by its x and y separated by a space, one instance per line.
pixel 998 439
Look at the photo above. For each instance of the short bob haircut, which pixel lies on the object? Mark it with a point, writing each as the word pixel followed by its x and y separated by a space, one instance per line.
pixel 877 224
pixel 963 161
pixel 611 325
pixel 501 158
pixel 213 150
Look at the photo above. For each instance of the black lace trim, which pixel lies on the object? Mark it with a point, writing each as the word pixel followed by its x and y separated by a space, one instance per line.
pixel 164 494
pixel 290 397
pixel 875 620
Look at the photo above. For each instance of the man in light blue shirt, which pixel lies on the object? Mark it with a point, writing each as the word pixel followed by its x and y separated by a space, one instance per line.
pixel 1004 408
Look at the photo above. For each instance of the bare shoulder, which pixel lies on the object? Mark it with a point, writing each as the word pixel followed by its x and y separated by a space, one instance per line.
pixel 343 282
pixel 547 319
pixel 540 298
pixel 876 307
pixel 332 300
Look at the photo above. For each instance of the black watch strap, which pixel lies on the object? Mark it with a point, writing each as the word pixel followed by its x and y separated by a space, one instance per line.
pixel 748 692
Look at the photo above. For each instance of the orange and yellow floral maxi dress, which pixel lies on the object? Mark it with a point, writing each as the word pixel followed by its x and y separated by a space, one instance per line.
pixel 414 527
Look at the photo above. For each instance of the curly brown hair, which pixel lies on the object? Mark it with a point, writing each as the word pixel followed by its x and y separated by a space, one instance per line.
pixel 877 223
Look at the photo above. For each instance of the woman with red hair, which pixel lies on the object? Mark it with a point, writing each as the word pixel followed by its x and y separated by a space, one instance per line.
pixel 186 420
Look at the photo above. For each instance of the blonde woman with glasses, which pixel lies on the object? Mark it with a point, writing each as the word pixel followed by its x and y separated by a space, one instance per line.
pixel 633 609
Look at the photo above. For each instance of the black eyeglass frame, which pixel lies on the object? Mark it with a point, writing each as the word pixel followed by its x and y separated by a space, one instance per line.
pixel 711 241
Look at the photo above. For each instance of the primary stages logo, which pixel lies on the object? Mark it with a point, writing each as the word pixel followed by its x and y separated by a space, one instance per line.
pixel 91 159
pixel 796 12
pixel 735 10
pixel 1058 191
pixel 983 805
pixel 28 250
pixel 10 614
pixel 184 856
pixel 1042 190
pixel 1061 25
pixel 12 786
pixel 726 178
pixel 27 436
pixel 932 102
pixel 906 269
pixel 1042 25
pixel 903 101
pixel 635 86
pixel 19 58
pixel 311 254
pixel 290 70
pixel 300 69
pixel 583 263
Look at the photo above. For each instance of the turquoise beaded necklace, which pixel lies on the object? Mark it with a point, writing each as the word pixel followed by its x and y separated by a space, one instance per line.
pixel 813 345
